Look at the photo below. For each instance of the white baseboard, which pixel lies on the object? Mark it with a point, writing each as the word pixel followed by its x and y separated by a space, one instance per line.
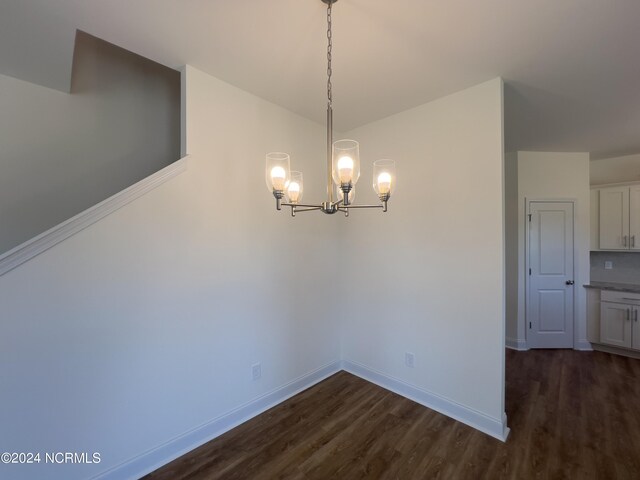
pixel 491 426
pixel 176 447
pixel 161 455
pixel 521 345
pixel 616 351
pixel 515 344
pixel 583 345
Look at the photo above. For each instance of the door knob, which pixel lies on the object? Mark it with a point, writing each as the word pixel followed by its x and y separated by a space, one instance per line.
pixel 569 282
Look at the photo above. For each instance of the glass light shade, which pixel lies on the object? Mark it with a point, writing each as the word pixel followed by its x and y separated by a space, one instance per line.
pixel 346 162
pixel 295 188
pixel 277 172
pixel 384 178
pixel 352 194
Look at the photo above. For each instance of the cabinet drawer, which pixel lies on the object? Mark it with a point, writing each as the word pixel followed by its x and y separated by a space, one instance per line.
pixel 620 297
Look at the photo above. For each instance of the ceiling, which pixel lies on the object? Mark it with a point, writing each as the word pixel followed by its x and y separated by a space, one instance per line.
pixel 571 67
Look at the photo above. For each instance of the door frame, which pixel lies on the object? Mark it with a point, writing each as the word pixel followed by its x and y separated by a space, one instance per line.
pixel 527 203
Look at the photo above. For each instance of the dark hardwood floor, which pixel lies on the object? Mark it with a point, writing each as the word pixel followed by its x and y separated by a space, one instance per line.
pixel 573 415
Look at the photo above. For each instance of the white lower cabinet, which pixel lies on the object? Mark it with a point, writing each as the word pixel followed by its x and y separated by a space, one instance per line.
pixel 635 329
pixel 615 324
pixel 619 319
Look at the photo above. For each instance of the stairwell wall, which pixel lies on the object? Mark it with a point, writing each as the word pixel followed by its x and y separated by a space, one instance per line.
pixel 63 153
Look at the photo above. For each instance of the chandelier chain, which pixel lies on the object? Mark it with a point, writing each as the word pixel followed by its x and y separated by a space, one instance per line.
pixel 329 48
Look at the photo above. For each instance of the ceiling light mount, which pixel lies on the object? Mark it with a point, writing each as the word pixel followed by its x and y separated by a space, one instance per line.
pixel 343 165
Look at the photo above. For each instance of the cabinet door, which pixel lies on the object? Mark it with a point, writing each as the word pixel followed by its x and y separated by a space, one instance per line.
pixel 593 315
pixel 614 218
pixel 634 217
pixel 635 341
pixel 595 220
pixel 615 324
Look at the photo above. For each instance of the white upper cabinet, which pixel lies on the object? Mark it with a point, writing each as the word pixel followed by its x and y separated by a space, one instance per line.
pixel 634 217
pixel 594 240
pixel 614 218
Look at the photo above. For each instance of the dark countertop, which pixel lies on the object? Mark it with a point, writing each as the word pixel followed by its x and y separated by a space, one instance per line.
pixel 618 287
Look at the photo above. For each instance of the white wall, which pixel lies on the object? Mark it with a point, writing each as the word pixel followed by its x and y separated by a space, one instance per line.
pixel 126 337
pixel 145 325
pixel 61 153
pixel 615 170
pixel 550 175
pixel 428 276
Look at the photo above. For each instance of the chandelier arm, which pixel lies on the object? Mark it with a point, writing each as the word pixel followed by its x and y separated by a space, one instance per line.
pixel 307 209
pixel 347 207
pixel 302 205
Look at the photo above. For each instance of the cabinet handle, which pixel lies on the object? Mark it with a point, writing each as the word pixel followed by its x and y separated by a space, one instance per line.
pixel 636 311
pixel 624 240
pixel 628 314
pixel 633 241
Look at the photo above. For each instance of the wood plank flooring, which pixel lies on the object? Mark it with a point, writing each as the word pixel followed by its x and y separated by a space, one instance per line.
pixel 573 415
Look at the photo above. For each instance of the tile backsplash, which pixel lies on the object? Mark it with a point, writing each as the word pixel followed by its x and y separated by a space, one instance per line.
pixel 626 267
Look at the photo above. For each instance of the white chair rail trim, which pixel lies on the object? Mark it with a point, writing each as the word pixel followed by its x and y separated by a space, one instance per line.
pixel 31 248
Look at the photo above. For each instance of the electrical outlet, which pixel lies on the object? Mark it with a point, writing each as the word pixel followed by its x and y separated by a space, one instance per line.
pixel 409 359
pixel 256 371
pixel 608 265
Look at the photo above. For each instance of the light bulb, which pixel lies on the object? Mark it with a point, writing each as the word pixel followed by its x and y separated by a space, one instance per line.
pixel 278 176
pixel 384 183
pixel 345 169
pixel 293 191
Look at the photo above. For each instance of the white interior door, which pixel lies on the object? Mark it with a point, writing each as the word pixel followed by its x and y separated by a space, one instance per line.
pixel 550 292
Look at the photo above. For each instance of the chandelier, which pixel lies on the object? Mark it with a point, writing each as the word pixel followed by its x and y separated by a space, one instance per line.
pixel 343 166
